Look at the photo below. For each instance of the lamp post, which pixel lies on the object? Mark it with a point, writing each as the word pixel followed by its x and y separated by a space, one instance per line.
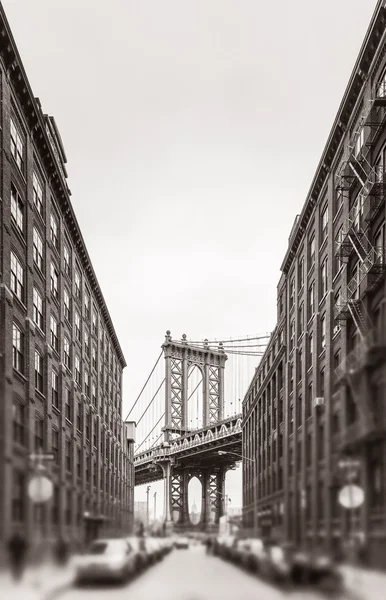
pixel 254 461
pixel 147 506
pixel 155 507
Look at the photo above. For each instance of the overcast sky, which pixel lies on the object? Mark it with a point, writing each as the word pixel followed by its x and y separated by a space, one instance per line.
pixel 193 130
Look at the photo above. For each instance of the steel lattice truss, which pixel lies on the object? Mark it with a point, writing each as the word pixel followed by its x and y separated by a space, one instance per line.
pixel 176 393
pixel 214 498
pixel 214 393
pixel 176 495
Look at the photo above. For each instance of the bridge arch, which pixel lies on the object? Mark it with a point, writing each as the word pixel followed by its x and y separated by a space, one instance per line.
pixel 195 397
pixel 195 500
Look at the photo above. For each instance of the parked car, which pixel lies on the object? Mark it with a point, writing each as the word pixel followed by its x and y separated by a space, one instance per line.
pixel 224 546
pixel 139 549
pixel 181 543
pixel 276 564
pixel 153 549
pixel 106 559
pixel 252 554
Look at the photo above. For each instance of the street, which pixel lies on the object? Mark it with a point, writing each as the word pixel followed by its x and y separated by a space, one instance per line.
pixel 189 575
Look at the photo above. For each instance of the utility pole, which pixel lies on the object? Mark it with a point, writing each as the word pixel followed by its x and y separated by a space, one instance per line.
pixel 147 506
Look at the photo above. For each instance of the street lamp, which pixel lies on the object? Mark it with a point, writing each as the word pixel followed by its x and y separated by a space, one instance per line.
pixel 147 505
pixel 254 461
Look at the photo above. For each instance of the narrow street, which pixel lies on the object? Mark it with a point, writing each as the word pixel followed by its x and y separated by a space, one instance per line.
pixel 189 575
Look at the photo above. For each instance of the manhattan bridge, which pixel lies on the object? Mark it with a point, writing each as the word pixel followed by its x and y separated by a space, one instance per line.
pixel 189 421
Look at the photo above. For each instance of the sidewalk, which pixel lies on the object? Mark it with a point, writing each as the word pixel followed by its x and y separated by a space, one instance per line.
pixel 364 584
pixel 42 583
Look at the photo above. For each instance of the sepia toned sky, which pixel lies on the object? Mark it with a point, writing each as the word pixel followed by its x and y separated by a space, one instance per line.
pixel 192 129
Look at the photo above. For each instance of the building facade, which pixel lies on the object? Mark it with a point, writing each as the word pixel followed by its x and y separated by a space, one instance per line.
pixel 317 402
pixel 60 360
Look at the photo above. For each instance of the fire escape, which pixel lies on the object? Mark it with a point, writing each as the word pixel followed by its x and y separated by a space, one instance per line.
pixel 358 179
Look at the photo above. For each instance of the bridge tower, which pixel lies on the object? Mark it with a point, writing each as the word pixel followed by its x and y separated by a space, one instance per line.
pixel 180 357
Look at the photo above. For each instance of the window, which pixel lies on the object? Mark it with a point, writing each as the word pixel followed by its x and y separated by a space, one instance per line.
pixel 292 334
pixel 54 333
pixel 339 199
pixel 18 496
pixel 86 342
pixel 311 300
pixel 338 260
pixel 67 259
pixel 17 209
pixel 79 416
pixel 87 384
pixel 67 305
pixel 94 321
pixel 323 278
pixel 77 283
pixel 87 304
pixel 38 309
pixel 67 404
pixel 292 292
pixel 17 348
pixel 300 364
pixel 320 441
pixel 54 230
pixel 88 425
pixel 18 422
pixel 38 249
pixel 55 444
pixel 77 370
pixel 93 393
pixel 67 455
pixel 77 326
pixel 337 359
pixel 301 273
pixel 39 434
pixel 381 86
pixel 17 146
pixel 360 140
pixel 324 223
pixel 323 331
pixel 300 410
pixel 312 249
pixel 291 377
pixel 54 281
pixel 310 400
pixel 301 318
pixel 55 389
pixel 17 277
pixel 38 195
pixel 66 352
pixel 38 371
pixel 78 463
pixel 321 383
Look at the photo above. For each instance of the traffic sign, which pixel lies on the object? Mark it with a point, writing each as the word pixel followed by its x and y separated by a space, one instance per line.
pixel 48 456
pixel 40 489
pixel 351 496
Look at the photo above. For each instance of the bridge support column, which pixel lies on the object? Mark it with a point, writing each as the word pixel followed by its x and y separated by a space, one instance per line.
pixel 167 469
pixel 213 487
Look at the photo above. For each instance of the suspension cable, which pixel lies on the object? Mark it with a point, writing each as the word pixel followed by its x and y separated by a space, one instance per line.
pixel 150 403
pixel 152 371
pixel 217 341
pixel 150 432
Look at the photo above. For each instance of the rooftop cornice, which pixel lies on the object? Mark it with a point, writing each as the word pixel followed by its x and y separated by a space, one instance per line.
pixel 339 128
pixel 36 122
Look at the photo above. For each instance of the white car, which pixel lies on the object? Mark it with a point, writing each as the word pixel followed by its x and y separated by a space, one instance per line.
pixel 111 559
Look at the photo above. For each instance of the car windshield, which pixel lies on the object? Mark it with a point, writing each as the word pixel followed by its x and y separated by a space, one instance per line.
pixel 107 547
pixel 98 548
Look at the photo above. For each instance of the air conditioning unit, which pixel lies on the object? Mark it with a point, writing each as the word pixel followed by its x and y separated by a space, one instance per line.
pixel 319 401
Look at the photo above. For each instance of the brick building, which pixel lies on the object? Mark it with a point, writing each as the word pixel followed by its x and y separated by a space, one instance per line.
pixel 60 360
pixel 319 393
